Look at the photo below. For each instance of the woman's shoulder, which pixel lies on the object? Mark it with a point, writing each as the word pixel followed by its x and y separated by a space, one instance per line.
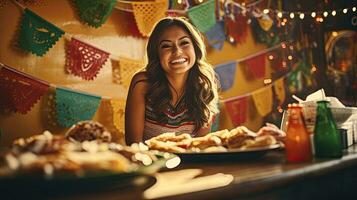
pixel 142 75
pixel 139 82
pixel 140 78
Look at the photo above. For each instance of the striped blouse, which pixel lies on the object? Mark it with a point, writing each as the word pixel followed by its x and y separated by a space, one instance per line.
pixel 177 120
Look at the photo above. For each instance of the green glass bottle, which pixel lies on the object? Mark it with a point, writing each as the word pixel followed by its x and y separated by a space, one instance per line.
pixel 327 140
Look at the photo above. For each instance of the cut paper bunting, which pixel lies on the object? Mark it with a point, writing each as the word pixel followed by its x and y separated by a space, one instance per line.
pixel 147 14
pixel 279 89
pixel 95 12
pixel 256 66
pixel 226 73
pixel 124 70
pixel 216 35
pixel 118 107
pixel 237 28
pixel 84 60
pixel 237 110
pixel 37 35
pixel 19 92
pixel 50 114
pixel 265 22
pixel 203 15
pixel 73 107
pixel 263 100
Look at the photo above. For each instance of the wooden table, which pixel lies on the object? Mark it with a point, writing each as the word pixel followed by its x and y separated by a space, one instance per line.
pixel 267 177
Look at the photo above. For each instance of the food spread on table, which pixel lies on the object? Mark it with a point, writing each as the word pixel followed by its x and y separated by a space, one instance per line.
pixel 85 147
pixel 220 141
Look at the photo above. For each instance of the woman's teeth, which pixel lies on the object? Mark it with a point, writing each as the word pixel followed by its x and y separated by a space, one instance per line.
pixel 181 60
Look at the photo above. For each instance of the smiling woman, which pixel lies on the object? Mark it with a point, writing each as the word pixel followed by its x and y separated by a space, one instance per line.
pixel 177 91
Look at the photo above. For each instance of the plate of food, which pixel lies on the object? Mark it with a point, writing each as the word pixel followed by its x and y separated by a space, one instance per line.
pixel 63 164
pixel 238 143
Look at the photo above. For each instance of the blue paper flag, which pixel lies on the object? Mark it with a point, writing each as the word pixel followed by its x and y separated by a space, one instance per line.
pixel 73 107
pixel 226 73
pixel 216 36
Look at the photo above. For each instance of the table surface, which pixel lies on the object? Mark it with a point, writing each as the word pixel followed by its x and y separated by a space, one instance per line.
pixel 225 178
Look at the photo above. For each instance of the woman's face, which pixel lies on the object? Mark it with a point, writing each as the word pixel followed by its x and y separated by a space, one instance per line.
pixel 176 51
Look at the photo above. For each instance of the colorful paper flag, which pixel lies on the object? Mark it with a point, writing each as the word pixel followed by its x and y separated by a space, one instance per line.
pixel 19 92
pixel 263 100
pixel 84 60
pixel 226 73
pixel 147 14
pixel 203 16
pixel 73 106
pixel 118 107
pixel 216 35
pixel 237 28
pixel 124 70
pixel 279 88
pixel 237 110
pixel 256 66
pixel 95 12
pixel 36 34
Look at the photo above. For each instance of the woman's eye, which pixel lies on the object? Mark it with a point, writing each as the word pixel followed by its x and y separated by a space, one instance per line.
pixel 185 42
pixel 165 46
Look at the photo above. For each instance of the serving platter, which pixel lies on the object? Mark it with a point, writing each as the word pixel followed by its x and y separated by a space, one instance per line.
pixel 35 184
pixel 231 154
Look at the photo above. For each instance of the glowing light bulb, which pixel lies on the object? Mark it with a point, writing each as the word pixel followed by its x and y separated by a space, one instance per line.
pixel 313 14
pixel 231 39
pixel 290 57
pixel 292 15
pixel 283 45
pixel 345 10
pixel 280 14
pixel 313 68
pixel 302 15
pixel 319 19
pixel 270 57
pixel 280 110
pixel 333 13
pixel 354 9
pixel 334 34
pixel 266 11
pixel 325 14
pixel 267 81
pixel 179 1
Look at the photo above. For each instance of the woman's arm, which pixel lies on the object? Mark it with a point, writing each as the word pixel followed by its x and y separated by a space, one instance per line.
pixel 135 109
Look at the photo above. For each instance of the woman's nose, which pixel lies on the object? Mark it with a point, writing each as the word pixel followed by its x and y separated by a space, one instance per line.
pixel 177 49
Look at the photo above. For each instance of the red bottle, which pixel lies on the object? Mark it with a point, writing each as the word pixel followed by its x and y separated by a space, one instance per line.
pixel 297 143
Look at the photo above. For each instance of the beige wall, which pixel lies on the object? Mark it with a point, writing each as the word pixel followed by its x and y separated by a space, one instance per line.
pixel 114 37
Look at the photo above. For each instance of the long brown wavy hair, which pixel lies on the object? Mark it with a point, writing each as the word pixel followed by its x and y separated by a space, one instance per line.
pixel 201 96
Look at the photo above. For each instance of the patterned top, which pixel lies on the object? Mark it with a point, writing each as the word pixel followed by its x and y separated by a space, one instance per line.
pixel 177 120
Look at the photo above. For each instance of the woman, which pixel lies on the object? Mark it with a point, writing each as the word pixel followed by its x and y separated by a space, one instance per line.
pixel 177 92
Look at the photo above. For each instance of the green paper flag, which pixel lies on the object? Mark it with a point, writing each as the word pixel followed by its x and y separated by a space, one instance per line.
pixel 95 12
pixel 73 107
pixel 203 16
pixel 36 34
